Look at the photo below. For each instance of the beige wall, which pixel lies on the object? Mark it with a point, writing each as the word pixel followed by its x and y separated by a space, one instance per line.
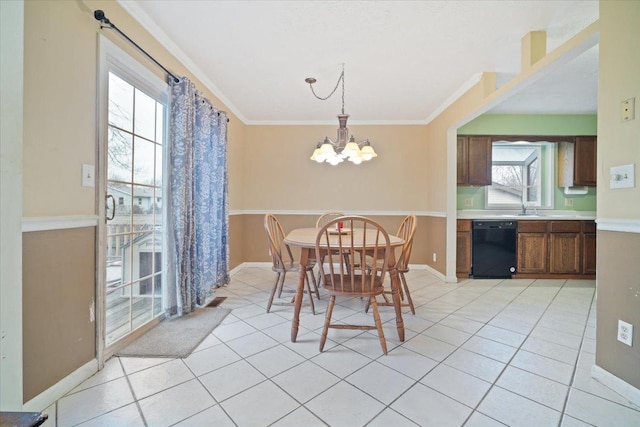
pixel 618 298
pixel 428 238
pixel 618 79
pixel 618 288
pixel 280 176
pixel 60 102
pixel 58 293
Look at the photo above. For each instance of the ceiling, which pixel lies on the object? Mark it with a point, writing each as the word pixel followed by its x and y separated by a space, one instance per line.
pixel 403 59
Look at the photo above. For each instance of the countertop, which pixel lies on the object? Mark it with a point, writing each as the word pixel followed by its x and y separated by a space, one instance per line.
pixel 532 215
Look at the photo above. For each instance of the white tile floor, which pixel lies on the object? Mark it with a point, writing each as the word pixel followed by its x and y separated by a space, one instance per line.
pixel 477 353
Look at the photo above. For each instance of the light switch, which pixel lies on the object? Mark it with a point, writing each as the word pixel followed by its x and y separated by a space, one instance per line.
pixel 88 178
pixel 628 109
pixel 622 177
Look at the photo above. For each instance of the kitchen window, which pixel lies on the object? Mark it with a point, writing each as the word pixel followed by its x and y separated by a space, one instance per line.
pixel 522 174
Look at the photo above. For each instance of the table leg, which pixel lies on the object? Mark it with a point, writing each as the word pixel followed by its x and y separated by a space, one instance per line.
pixel 295 323
pixel 397 303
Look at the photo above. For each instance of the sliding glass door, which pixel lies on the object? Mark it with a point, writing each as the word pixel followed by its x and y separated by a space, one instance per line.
pixel 133 238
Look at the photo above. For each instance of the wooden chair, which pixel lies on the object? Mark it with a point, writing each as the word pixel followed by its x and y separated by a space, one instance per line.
pixel 283 261
pixel 320 222
pixel 356 281
pixel 326 217
pixel 406 231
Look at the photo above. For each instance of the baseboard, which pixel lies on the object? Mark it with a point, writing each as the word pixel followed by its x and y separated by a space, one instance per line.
pixel 429 269
pixel 411 267
pixel 62 387
pixel 621 387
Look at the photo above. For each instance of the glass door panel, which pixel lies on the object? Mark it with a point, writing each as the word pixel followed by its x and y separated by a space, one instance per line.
pixel 134 212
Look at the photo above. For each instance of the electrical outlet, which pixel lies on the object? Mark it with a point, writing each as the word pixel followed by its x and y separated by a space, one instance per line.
pixel 434 257
pixel 568 203
pixel 625 333
pixel 468 203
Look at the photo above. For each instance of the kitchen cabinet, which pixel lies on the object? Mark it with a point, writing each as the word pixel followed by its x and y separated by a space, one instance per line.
pixel 474 160
pixel 577 162
pixel 463 248
pixel 588 247
pixel 556 248
pixel 564 247
pixel 532 247
pixel 463 160
pixel 545 249
pixel 585 167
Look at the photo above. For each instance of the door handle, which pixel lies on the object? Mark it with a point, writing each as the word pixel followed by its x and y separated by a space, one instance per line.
pixel 113 211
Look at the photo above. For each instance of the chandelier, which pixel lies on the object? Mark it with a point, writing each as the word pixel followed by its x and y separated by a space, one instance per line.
pixel 344 147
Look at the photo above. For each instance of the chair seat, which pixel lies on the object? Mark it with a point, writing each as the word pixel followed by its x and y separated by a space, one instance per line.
pixel 350 287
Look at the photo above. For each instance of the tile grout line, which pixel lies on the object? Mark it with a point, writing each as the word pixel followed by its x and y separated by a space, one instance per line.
pixel 519 348
pixel 508 363
pixel 133 393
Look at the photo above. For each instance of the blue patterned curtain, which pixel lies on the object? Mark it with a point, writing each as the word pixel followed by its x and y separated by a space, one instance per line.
pixel 198 214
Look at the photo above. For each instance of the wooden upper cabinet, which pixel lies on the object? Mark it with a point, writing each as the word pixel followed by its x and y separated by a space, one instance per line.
pixel 577 162
pixel 479 160
pixel 585 168
pixel 463 160
pixel 474 160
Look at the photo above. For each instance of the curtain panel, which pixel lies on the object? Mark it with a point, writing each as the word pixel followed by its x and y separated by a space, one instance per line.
pixel 199 213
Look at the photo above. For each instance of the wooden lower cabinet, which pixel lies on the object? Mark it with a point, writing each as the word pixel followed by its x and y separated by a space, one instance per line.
pixel 565 247
pixel 533 247
pixel 588 247
pixel 463 248
pixel 564 253
pixel 556 248
pixel 532 253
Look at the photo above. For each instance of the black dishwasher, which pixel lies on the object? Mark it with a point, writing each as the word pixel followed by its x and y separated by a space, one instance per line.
pixel 493 253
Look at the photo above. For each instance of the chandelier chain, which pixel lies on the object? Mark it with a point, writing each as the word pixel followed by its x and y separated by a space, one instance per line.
pixel 340 79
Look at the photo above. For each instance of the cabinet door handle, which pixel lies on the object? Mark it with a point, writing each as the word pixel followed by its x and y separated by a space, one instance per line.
pixel 113 204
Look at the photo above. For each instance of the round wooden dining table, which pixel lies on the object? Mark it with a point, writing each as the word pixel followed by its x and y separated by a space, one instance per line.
pixel 305 239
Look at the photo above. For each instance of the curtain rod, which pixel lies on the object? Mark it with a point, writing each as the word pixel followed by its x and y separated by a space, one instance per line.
pixel 99 15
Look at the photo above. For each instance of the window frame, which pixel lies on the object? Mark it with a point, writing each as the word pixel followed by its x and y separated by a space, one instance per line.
pixel 547 164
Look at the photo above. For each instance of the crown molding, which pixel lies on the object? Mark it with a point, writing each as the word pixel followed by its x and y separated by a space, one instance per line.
pixel 133 9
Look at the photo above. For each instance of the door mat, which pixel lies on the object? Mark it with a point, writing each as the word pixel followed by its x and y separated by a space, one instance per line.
pixel 176 337
pixel 216 301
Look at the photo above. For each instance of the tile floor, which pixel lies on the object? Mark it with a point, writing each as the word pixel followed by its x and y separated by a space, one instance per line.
pixel 477 353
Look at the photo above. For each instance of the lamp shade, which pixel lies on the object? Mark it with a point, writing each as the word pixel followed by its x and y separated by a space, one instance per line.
pixel 368 152
pixel 351 149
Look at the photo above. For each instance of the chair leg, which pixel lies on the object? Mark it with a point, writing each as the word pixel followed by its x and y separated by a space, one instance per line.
pixel 306 279
pixel 327 321
pixel 281 285
pixel 376 317
pixel 406 291
pixel 273 292
pixel 315 283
